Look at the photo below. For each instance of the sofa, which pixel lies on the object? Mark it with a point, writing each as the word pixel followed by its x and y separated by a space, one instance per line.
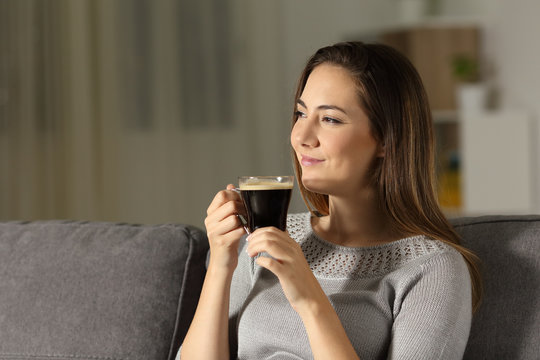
pixel 109 291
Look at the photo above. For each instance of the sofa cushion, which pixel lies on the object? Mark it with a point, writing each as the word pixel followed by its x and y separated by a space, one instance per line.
pixel 97 290
pixel 507 323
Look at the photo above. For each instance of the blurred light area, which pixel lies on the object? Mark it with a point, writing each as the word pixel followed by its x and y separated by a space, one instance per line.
pixel 141 110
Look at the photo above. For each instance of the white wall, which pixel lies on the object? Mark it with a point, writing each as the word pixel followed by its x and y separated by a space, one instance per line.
pixel 512 41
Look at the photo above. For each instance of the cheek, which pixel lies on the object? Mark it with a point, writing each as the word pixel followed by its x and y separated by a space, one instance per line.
pixel 341 147
pixel 294 138
pixel 353 152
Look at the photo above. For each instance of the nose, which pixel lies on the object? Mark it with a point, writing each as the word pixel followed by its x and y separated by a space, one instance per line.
pixel 304 134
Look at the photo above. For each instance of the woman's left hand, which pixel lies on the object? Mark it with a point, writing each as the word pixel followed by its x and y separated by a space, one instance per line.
pixel 288 263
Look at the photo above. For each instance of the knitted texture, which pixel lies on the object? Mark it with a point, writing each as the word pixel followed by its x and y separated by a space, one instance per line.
pixel 333 261
pixel 408 299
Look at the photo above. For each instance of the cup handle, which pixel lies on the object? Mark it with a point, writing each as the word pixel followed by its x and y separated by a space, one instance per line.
pixel 242 220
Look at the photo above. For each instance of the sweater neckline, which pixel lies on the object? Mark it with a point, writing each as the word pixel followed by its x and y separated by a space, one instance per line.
pixel 378 247
pixel 329 260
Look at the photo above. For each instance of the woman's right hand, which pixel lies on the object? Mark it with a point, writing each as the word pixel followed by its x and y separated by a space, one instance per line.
pixel 208 335
pixel 224 229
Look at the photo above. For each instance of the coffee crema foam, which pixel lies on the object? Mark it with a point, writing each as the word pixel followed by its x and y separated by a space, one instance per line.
pixel 266 185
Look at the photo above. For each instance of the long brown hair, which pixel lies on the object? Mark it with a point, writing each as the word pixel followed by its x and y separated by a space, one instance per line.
pixel 393 97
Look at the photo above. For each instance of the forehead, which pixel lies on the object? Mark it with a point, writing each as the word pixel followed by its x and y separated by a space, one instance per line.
pixel 331 84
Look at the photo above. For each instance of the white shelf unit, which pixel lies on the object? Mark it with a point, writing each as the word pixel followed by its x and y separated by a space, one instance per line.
pixel 496 162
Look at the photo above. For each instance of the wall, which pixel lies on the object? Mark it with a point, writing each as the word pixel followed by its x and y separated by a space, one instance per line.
pixel 510 45
pixel 97 168
pixel 511 54
pixel 110 83
pixel 515 32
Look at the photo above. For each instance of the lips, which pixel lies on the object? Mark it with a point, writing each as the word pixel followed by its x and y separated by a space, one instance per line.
pixel 309 161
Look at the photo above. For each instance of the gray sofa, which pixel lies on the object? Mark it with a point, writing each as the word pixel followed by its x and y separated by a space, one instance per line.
pixel 103 291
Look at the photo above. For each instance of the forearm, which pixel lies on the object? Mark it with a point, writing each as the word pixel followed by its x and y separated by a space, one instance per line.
pixel 208 336
pixel 327 337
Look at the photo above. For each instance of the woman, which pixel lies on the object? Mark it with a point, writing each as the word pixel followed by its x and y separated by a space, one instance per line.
pixel 374 270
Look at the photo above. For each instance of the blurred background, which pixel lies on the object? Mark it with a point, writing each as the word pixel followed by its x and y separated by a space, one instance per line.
pixel 141 110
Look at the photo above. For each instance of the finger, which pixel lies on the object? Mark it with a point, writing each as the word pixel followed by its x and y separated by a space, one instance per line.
pixel 270 232
pixel 225 210
pixel 221 198
pixel 236 192
pixel 224 226
pixel 272 242
pixel 229 239
pixel 270 247
pixel 273 265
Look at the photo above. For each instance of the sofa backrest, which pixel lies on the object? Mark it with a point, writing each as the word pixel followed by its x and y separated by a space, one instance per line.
pixel 120 291
pixel 507 324
pixel 97 290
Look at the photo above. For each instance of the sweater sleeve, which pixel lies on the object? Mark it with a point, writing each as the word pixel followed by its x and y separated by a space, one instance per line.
pixel 240 288
pixel 434 317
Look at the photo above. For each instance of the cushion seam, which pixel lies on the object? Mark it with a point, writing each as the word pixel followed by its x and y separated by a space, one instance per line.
pixel 494 221
pixel 182 293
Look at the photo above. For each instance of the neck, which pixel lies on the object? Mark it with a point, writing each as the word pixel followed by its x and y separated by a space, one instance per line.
pixel 356 222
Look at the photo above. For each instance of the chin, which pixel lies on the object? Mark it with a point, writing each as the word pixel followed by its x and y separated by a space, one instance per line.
pixel 315 186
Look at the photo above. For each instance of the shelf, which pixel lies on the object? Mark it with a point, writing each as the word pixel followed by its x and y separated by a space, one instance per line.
pixel 497 168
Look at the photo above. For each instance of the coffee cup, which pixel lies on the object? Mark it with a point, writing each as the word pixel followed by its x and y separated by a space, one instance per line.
pixel 266 199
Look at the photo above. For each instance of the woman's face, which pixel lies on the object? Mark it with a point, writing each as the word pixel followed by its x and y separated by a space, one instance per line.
pixel 332 137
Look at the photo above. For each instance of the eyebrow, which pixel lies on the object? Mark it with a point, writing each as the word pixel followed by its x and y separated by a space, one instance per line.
pixel 323 107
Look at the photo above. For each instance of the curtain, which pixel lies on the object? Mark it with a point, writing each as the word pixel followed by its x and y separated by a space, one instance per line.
pixel 135 110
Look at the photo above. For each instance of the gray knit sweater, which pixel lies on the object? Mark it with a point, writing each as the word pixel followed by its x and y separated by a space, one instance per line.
pixel 409 299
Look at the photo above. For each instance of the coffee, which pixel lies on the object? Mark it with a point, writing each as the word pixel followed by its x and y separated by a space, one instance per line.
pixel 266 201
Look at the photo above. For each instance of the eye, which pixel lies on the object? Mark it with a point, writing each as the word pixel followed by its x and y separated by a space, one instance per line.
pixel 331 120
pixel 299 114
